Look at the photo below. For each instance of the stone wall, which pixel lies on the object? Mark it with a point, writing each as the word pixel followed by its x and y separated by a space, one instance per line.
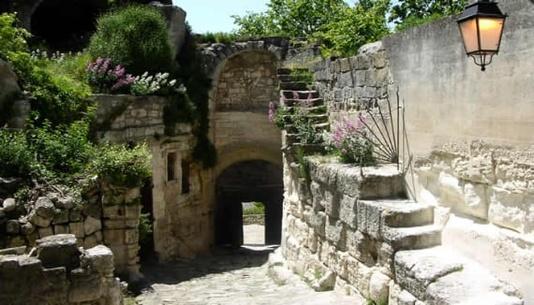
pixel 102 215
pixel 58 272
pixel 356 83
pixel 469 132
pixel 123 118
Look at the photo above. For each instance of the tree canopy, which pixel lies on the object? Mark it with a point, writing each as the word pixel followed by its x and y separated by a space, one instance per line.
pixel 339 27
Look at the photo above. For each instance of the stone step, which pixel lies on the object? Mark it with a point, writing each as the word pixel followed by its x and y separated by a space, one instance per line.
pixel 314 102
pixel 309 109
pixel 294 78
pixel 399 213
pixel 294 85
pixel 412 238
pixel 440 275
pixel 288 71
pixel 299 94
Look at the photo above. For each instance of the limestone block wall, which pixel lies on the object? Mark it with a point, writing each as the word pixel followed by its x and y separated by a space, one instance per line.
pixel 122 118
pixel 182 219
pixel 103 214
pixel 58 272
pixel 356 83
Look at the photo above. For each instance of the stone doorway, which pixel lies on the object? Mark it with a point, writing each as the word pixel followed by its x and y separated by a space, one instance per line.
pixel 248 181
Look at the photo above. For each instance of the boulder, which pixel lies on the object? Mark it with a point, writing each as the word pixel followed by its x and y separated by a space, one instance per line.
pixel 59 251
pixel 9 205
pixel 99 258
pixel 44 207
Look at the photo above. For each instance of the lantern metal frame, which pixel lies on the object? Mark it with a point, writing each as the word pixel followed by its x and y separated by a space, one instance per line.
pixel 484 9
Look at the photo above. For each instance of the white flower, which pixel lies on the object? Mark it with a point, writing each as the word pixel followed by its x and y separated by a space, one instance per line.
pixel 172 83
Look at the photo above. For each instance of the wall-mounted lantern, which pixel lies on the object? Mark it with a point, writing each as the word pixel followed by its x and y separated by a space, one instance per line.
pixel 481 25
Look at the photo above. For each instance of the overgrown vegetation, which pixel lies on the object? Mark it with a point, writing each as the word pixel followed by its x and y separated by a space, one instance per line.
pixel 136 37
pixel 55 148
pixel 198 84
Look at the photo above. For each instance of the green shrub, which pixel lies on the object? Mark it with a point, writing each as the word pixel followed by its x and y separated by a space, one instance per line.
pixel 219 37
pixel 64 150
pixel 135 37
pixel 16 159
pixel 257 209
pixel 122 166
pixel 12 38
pixel 145 230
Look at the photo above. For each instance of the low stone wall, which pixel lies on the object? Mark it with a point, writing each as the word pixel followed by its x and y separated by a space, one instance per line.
pixel 123 118
pixel 104 215
pixel 58 272
pixel 355 83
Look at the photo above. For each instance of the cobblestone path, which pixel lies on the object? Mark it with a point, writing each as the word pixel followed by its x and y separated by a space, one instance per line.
pixel 237 277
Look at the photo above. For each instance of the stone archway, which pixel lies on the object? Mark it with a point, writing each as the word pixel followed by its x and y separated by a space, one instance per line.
pixel 248 181
pixel 245 81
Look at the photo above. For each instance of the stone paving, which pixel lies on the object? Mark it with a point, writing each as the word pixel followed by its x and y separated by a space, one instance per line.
pixel 231 277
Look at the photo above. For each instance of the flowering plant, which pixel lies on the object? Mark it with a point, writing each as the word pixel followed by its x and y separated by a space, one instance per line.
pixel 279 115
pixel 107 78
pixel 158 84
pixel 348 139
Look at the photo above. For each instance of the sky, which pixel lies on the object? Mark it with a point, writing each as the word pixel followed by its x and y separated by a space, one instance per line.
pixel 215 15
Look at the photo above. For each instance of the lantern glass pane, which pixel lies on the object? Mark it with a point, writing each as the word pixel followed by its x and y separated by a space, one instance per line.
pixel 469 34
pixel 490 33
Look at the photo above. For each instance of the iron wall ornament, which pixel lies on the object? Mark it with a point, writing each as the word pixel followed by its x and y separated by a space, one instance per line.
pixel 481 26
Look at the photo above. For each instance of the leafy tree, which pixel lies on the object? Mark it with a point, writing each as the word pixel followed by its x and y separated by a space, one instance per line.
pixel 340 28
pixel 291 18
pixel 354 27
pixel 408 13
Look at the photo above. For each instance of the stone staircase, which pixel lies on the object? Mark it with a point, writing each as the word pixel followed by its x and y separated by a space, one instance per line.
pixel 348 224
pixel 300 100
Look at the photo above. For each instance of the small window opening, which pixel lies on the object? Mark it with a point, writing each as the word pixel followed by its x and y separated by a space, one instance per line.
pixel 171 166
pixel 186 173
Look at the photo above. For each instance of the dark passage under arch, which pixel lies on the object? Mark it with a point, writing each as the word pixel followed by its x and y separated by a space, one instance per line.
pixel 248 181
pixel 66 25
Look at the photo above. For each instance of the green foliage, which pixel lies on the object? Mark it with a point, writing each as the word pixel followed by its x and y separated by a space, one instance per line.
pixel 257 25
pixel 290 18
pixel 257 209
pixel 365 22
pixel 122 166
pixel 64 149
pixel 136 37
pixel 302 75
pixel 12 38
pixel 55 96
pixel 16 158
pixel 408 13
pixel 72 66
pixel 145 229
pixel 281 117
pixel 341 31
pixel 219 37
pixel 180 109
pixel 198 84
pixel 305 128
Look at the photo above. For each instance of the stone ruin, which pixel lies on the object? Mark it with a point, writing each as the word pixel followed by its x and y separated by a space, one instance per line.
pixel 57 271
